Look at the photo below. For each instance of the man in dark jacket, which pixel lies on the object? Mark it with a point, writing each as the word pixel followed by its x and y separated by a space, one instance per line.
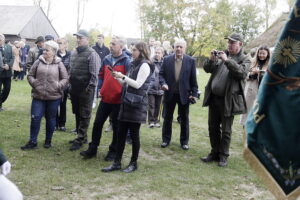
pixel 5 70
pixel 177 77
pixel 224 95
pixel 84 66
pixel 35 52
pixel 100 48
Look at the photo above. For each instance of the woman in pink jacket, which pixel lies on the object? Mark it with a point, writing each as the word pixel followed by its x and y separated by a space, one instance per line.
pixel 48 78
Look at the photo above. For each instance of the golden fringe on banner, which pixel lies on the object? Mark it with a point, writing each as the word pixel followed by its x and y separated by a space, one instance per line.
pixel 267 178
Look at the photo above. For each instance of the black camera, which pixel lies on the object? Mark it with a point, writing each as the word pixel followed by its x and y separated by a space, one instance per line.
pixel 217 53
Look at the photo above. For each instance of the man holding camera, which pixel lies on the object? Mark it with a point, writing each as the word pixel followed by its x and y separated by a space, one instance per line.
pixel 178 79
pixel 224 95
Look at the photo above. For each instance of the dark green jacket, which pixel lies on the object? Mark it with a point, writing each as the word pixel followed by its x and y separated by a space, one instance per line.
pixel 2 158
pixel 238 67
pixel 8 58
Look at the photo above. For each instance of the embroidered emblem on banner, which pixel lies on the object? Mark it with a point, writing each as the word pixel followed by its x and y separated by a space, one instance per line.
pixel 287 52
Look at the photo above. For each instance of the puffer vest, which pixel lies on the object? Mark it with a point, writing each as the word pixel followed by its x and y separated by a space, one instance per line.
pixel 79 71
pixel 136 114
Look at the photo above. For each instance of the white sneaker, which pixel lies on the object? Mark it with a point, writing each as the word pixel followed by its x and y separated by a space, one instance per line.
pixel 94 105
pixel 157 125
pixel 151 125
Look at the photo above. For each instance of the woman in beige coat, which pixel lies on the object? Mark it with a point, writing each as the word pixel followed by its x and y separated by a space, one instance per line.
pixel 48 78
pixel 16 65
pixel 254 77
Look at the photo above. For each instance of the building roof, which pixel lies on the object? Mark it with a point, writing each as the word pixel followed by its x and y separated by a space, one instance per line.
pixel 18 20
pixel 271 35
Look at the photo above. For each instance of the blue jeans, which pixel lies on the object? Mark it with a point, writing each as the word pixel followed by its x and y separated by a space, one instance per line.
pixel 39 108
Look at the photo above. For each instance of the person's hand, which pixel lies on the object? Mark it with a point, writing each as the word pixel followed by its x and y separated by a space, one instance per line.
pixel 165 87
pixel 254 71
pixel 5 168
pixel 6 67
pixel 193 99
pixel 212 55
pixel 222 56
pixel 117 74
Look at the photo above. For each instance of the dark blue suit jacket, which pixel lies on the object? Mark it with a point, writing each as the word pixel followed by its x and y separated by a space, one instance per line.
pixel 187 79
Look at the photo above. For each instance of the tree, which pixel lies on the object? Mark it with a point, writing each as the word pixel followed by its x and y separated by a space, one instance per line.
pixel 80 12
pixel 291 3
pixel 269 6
pixel 46 5
pixel 246 21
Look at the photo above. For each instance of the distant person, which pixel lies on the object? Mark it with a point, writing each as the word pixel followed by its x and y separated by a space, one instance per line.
pixel 48 78
pixel 178 79
pixel 155 93
pixel 64 55
pixel 35 52
pixel 8 190
pixel 167 48
pixel 110 93
pixel 100 47
pixel 16 66
pixel 133 109
pixel 23 56
pixel 257 71
pixel 224 95
pixel 151 47
pixel 102 51
pixel 49 37
pixel 83 81
pixel 5 70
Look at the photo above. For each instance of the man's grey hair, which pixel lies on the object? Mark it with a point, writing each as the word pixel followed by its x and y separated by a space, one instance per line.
pixel 53 45
pixel 180 41
pixel 122 40
pixel 2 37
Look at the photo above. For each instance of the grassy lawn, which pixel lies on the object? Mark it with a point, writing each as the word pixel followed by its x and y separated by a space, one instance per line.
pixel 170 173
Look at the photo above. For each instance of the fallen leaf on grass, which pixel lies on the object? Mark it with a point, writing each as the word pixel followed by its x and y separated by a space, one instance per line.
pixel 57 188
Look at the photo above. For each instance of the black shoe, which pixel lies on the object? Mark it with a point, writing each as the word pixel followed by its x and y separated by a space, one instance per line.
pixel 131 167
pixel 75 146
pixel 72 141
pixel 47 144
pixel 164 145
pixel 62 128
pixel 185 147
pixel 113 167
pixel 29 145
pixel 110 156
pixel 89 153
pixel 222 162
pixel 210 158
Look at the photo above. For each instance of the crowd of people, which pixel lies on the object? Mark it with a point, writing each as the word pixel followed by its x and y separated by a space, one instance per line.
pixel 134 86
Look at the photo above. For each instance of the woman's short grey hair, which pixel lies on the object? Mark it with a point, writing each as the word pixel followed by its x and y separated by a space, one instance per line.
pixel 53 45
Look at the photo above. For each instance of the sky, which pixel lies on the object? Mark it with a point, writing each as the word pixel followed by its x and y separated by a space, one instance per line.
pixel 118 17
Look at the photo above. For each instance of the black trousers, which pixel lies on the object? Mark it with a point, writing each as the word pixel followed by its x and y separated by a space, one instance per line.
pixel 219 127
pixel 82 108
pixel 5 84
pixel 104 110
pixel 61 116
pixel 134 129
pixel 168 118
pixel 154 106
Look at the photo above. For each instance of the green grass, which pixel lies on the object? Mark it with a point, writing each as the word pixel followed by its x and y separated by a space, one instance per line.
pixel 169 173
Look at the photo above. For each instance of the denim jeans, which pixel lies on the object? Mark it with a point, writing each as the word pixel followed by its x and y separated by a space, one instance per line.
pixel 39 108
